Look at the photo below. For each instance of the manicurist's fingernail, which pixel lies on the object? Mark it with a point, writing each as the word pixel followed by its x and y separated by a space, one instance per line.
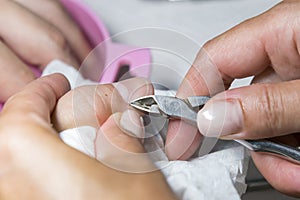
pixel 132 123
pixel 220 118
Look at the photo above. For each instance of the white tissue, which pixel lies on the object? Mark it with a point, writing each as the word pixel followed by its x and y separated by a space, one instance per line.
pixel 74 77
pixel 214 176
pixel 219 175
pixel 81 138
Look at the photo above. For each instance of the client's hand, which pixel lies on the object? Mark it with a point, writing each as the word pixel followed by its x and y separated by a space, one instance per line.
pixel 34 32
pixel 96 106
pixel 36 164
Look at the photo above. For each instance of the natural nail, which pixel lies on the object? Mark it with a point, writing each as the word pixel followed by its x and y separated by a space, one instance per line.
pixel 220 118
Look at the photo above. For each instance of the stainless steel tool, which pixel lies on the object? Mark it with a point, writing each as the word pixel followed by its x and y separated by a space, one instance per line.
pixel 187 109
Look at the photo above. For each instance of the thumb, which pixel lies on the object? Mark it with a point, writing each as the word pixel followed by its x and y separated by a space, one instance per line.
pixel 252 112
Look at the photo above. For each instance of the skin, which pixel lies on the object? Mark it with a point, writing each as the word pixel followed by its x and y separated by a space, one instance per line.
pixel 34 35
pixel 40 166
pixel 267 47
pixel 33 158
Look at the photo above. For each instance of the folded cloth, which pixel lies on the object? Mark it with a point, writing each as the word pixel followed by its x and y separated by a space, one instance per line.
pixel 218 175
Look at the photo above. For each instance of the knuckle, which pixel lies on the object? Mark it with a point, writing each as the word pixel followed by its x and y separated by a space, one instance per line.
pixel 58 47
pixel 57 39
pixel 271 108
pixel 194 74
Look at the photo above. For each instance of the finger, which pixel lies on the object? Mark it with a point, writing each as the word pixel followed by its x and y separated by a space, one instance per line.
pixel 39 42
pixel 55 13
pixel 206 77
pixel 281 174
pixel 25 163
pixel 37 100
pixel 245 50
pixel 120 151
pixel 126 154
pixel 252 112
pixel 267 76
pixel 92 105
pixel 112 130
pixel 182 140
pixel 14 73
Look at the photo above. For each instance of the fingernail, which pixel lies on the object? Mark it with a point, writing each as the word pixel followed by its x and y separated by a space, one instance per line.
pixel 133 88
pixel 220 118
pixel 132 123
pixel 122 90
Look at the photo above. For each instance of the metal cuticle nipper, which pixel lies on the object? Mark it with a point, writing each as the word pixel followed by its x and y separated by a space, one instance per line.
pixel 187 109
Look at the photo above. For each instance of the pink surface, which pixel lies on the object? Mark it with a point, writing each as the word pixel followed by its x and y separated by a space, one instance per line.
pixel 112 55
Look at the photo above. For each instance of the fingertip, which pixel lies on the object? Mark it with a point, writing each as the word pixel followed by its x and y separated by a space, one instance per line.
pixel 182 140
pixel 39 97
pixel 121 151
pixel 133 88
pixel 222 117
pixel 193 148
pixel 59 83
pixel 115 138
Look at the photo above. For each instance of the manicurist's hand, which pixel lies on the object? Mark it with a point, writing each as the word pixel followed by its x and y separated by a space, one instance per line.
pixel 34 32
pixel 266 46
pixel 36 164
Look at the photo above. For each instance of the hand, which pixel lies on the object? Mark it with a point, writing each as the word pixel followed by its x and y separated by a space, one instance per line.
pixel 93 106
pixel 34 32
pixel 267 47
pixel 33 156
